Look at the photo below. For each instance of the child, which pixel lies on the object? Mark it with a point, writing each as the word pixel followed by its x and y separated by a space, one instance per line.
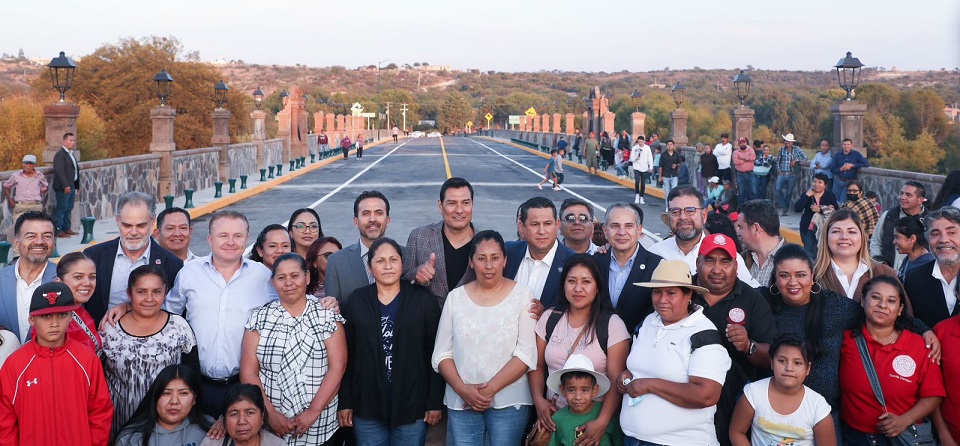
pixel 874 199
pixel 580 384
pixel 52 390
pixel 762 407
pixel 550 170
pixel 558 170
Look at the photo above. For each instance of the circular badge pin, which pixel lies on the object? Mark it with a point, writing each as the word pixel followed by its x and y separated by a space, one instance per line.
pixel 904 365
pixel 737 316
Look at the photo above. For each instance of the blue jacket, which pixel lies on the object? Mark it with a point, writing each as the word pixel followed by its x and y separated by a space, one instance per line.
pixel 8 295
pixel 855 158
pixel 516 250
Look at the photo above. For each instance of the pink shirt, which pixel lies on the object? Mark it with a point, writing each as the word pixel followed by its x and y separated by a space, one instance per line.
pixel 564 335
pixel 27 188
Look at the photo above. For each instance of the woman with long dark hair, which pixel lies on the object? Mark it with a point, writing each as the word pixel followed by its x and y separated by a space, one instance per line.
pixel 583 321
pixel 843 257
pixel 317 256
pixel 949 194
pixel 245 416
pixel 170 412
pixel 304 227
pixel 272 242
pixel 78 272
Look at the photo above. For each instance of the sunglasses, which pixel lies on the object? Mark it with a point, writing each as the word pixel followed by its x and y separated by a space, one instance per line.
pixel 576 218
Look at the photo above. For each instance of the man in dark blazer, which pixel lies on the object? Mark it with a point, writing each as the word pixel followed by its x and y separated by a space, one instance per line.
pixel 116 258
pixel 437 254
pixel 627 263
pixel 35 240
pixel 934 288
pixel 537 259
pixel 66 184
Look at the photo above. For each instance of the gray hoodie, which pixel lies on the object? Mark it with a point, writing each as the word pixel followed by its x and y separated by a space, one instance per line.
pixel 186 434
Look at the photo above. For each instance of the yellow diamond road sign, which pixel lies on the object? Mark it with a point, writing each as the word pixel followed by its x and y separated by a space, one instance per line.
pixel 530 112
pixel 488 116
pixel 469 123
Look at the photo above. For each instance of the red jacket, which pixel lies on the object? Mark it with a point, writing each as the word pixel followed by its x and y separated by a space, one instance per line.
pixel 54 396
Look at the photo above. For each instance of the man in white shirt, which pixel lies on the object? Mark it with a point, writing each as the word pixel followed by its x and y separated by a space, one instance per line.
pixel 642 159
pixel 218 292
pixel 35 238
pixel 536 260
pixel 173 232
pixel 576 226
pixel 347 270
pixel 686 219
pixel 934 287
pixel 723 151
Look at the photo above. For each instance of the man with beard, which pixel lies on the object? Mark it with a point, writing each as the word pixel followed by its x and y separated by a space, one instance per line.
pixel 740 314
pixel 687 215
pixel 912 197
pixel 173 232
pixel 438 254
pixel 933 288
pixel 576 226
pixel 134 247
pixel 35 238
pixel 347 270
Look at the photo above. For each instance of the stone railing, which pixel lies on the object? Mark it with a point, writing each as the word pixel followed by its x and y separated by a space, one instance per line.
pixel 243 160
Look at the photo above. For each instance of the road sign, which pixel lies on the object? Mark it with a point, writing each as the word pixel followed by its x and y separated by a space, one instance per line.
pixel 469 124
pixel 513 119
pixel 530 112
pixel 356 109
pixel 488 116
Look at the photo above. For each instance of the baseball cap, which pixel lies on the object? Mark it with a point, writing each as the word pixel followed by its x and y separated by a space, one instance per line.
pixel 718 241
pixel 53 297
pixel 32 159
pixel 743 140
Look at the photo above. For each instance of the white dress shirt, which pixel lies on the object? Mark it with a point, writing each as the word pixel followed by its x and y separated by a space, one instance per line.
pixel 669 250
pixel 24 296
pixel 218 310
pixel 949 294
pixel 850 284
pixel 122 266
pixel 533 273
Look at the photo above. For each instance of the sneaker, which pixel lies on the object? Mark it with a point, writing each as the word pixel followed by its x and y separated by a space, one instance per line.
pixel 641 201
pixel 556 189
pixel 539 187
pixel 636 199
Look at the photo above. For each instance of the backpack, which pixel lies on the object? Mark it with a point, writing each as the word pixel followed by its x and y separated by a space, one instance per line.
pixel 606 143
pixel 602 330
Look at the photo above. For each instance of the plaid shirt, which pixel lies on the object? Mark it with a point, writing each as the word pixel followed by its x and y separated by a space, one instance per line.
pixel 866 210
pixel 784 158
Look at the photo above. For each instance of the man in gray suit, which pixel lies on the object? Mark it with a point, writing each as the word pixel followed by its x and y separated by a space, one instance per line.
pixel 347 270
pixel 35 236
pixel 437 254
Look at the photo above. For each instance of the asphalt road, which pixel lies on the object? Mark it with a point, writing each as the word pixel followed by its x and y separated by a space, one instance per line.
pixel 410 174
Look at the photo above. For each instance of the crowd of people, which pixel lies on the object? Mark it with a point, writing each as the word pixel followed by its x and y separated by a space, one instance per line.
pixel 723 334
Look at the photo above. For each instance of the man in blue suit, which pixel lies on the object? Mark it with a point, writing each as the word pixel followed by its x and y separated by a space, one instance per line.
pixel 537 259
pixel 35 236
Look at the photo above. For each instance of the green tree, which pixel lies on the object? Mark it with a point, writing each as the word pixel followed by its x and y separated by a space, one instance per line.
pixel 454 113
pixel 919 155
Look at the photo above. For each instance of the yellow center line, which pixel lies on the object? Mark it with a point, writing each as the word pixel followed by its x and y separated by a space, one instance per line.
pixel 446 162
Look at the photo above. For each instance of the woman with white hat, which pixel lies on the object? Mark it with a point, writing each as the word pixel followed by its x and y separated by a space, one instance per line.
pixel 676 367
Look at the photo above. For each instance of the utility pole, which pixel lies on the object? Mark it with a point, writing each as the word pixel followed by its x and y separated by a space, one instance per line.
pixel 403 109
pixel 378 97
pixel 388 114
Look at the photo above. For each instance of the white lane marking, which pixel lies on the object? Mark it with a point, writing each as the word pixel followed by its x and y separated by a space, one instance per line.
pixel 653 236
pixel 315 186
pixel 338 189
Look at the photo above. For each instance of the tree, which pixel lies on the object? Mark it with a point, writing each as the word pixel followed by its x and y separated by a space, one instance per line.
pixel 920 155
pixel 454 113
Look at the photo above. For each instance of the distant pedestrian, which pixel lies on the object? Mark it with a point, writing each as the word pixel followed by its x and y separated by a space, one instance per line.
pixel 360 142
pixel 345 145
pixel 559 167
pixel 562 145
pixel 323 141
pixel 396 133
pixel 606 149
pixel 823 161
pixel 709 166
pixel 787 169
pixel 550 172
pixel 743 162
pixel 657 152
pixel 723 151
pixel 642 159
pixel 846 164
pixel 577 145
pixel 669 165
pixel 590 147
pixel 683 173
pixel 66 184
pixel 761 170
pixel 24 191
pixel 864 208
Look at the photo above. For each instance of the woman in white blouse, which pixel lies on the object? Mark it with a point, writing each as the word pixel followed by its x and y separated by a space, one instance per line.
pixel 485 347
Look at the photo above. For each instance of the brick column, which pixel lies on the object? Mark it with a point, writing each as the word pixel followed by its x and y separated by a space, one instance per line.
pixel 329 123
pixel 283 132
pixel 162 118
pixel 569 123
pixel 536 124
pixel 679 131
pixel 221 139
pixel 608 121
pixel 259 135
pixel 556 123
pixel 848 123
pixel 545 123
pixel 59 118
pixel 636 124
pixel 742 118
pixel 341 127
pixel 318 122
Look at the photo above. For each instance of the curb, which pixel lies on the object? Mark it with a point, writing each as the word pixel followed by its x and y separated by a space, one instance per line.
pixel 790 235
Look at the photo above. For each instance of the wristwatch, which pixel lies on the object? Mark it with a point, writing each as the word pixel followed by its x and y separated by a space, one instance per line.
pixel 752 348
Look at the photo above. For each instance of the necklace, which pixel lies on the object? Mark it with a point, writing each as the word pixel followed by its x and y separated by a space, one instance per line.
pixel 886 339
pixel 494 293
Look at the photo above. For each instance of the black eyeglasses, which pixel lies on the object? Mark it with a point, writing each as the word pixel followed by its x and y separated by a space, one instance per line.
pixel 688 211
pixel 302 227
pixel 853 191
pixel 576 218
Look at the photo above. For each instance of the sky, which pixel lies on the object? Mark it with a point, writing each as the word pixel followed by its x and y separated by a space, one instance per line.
pixel 508 35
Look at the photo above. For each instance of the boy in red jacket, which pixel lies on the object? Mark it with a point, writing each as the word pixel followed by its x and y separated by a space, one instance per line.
pixel 52 390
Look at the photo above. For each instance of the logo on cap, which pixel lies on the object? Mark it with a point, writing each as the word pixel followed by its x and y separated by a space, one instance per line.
pixel 720 240
pixel 52 297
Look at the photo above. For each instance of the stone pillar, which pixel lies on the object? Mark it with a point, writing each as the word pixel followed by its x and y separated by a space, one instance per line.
pixel 586 125
pixel 221 138
pixel 259 135
pixel 283 131
pixel 569 123
pixel 848 123
pixel 742 118
pixel 556 123
pixel 636 124
pixel 162 118
pixel 545 123
pixel 329 123
pixel 608 121
pixel 536 124
pixel 341 129
pixel 523 124
pixel 59 118
pixel 318 122
pixel 679 131
pixel 298 124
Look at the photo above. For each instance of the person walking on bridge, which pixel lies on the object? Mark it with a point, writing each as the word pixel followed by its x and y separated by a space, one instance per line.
pixel 345 144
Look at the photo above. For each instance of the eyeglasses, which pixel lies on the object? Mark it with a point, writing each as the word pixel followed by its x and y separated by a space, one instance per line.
pixel 853 191
pixel 303 227
pixel 687 211
pixel 576 218
pixel 325 254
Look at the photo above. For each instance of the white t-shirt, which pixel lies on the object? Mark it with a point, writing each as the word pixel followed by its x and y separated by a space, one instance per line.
pixel 772 428
pixel 723 153
pixel 664 352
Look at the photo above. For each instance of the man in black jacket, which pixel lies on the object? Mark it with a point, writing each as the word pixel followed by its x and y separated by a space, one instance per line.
pixel 933 287
pixel 66 184
pixel 116 258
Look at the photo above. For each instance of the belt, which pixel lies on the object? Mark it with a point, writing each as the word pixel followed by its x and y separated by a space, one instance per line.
pixel 27 202
pixel 220 382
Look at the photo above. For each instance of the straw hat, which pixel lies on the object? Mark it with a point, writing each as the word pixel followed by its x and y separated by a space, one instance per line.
pixel 577 363
pixel 671 273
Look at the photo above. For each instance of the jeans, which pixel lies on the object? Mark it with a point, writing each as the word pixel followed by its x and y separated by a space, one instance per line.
pixel 359 152
pixel 746 185
pixel 785 186
pixel 809 239
pixel 640 182
pixel 64 208
pixel 374 433
pixel 493 426
pixel 853 437
pixel 762 182
pixel 630 441
pixel 840 189
pixel 668 184
pixel 621 169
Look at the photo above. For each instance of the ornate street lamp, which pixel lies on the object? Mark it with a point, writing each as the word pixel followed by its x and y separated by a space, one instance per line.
pixel 848 73
pixel 283 97
pixel 164 85
pixel 220 93
pixel 62 70
pixel 677 92
pixel 258 97
pixel 742 82
pixel 635 97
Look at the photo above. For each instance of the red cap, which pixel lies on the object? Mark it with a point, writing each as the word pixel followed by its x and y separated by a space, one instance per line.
pixel 743 139
pixel 734 216
pixel 718 241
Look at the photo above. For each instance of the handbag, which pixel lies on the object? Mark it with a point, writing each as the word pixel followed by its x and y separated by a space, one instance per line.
pixel 915 435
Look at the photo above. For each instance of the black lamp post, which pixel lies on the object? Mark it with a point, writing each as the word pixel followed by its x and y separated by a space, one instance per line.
pixel 677 92
pixel 283 97
pixel 635 97
pixel 742 82
pixel 848 73
pixel 164 85
pixel 62 70
pixel 258 97
pixel 220 93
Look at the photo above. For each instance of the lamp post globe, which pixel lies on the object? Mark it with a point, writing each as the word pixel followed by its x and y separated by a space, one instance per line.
pixel 677 92
pixel 164 84
pixel 742 82
pixel 635 97
pixel 848 73
pixel 258 97
pixel 220 93
pixel 62 70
